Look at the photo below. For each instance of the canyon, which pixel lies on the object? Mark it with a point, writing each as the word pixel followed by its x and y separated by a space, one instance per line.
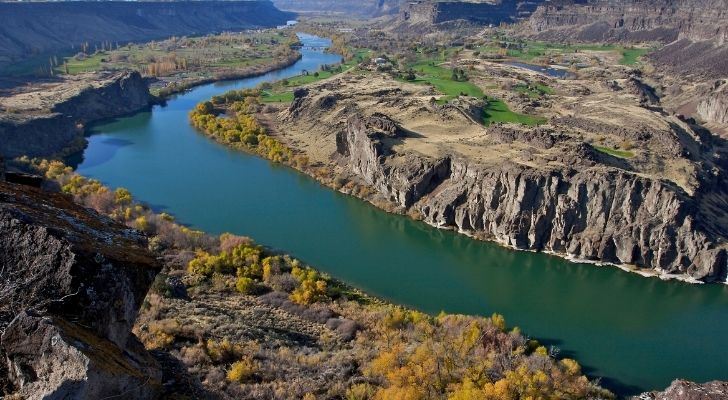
pixel 657 212
pixel 481 12
pixel 37 28
pixel 49 118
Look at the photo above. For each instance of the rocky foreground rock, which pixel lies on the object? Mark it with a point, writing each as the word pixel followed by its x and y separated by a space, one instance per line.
pixel 685 390
pixel 72 285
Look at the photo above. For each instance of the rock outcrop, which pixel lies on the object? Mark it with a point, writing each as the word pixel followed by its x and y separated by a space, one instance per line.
pixel 32 28
pixel 55 124
pixel 696 29
pixel 365 8
pixel 485 12
pixel 595 213
pixel 73 282
pixel 714 107
pixel 365 147
pixel 685 390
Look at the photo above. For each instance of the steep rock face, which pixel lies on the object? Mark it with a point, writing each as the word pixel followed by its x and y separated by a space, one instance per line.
pixel 31 28
pixel 46 133
pixel 365 8
pixel 73 284
pixel 364 145
pixel 639 20
pixel 598 213
pixel 684 390
pixel 714 107
pixel 493 12
pixel 697 30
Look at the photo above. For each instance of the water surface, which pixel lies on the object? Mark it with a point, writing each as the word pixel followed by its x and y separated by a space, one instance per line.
pixel 550 71
pixel 637 333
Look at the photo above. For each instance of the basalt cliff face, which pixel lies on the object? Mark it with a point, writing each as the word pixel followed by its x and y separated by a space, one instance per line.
pixel 696 30
pixel 589 212
pixel 685 390
pixel 51 121
pixel 639 20
pixel 358 8
pixel 72 284
pixel 33 28
pixel 482 12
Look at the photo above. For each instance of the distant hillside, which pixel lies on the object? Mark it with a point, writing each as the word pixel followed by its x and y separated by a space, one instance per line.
pixel 477 11
pixel 696 30
pixel 359 8
pixel 29 29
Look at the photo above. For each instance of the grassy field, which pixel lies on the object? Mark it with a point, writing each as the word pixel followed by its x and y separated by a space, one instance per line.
pixel 613 152
pixel 498 111
pixel 282 90
pixel 428 72
pixel 174 55
pixel 530 50
pixel 534 91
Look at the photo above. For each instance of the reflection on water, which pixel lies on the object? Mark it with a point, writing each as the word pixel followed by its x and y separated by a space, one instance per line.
pixel 631 330
pixel 553 72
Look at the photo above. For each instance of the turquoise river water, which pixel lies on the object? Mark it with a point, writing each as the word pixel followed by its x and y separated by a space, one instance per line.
pixel 635 333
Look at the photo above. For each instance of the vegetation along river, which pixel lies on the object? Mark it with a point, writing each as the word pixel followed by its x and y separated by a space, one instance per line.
pixel 635 332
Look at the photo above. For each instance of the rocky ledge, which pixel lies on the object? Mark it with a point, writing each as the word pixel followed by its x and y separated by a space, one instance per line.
pixel 685 390
pixel 72 285
pixel 588 211
pixel 49 119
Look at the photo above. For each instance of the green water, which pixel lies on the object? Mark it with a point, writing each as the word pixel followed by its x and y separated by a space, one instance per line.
pixel 636 333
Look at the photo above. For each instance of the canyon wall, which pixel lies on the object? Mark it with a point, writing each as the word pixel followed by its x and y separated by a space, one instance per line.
pixel 593 213
pixel 696 30
pixel 42 27
pixel 484 12
pixel 637 20
pixel 59 127
pixel 356 8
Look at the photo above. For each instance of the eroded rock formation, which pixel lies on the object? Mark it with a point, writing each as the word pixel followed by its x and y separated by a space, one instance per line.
pixel 483 12
pixel 685 390
pixel 73 282
pixel 51 121
pixel 593 212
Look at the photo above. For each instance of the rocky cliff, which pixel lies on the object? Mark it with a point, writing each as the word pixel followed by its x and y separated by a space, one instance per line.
pixel 696 29
pixel 590 211
pixel 714 106
pixel 30 28
pixel 638 20
pixel 684 390
pixel 50 121
pixel 483 12
pixel 73 282
pixel 358 8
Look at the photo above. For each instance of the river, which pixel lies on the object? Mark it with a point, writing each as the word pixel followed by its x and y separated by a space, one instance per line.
pixel 636 333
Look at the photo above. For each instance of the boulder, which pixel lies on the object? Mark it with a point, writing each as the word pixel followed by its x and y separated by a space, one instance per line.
pixel 73 283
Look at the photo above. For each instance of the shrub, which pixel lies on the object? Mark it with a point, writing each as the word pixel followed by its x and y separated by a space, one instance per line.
pixel 242 371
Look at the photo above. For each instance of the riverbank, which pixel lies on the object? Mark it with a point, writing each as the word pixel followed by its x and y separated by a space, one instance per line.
pixel 335 177
pixel 571 306
pixel 296 324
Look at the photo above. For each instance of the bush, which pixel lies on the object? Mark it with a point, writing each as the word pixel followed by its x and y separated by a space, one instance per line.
pixel 242 371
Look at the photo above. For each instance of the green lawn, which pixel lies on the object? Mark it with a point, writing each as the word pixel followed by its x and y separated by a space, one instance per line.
pixel 281 90
pixel 534 91
pixel 614 152
pixel 428 72
pixel 498 111
pixel 282 97
pixel 534 49
pixel 630 56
